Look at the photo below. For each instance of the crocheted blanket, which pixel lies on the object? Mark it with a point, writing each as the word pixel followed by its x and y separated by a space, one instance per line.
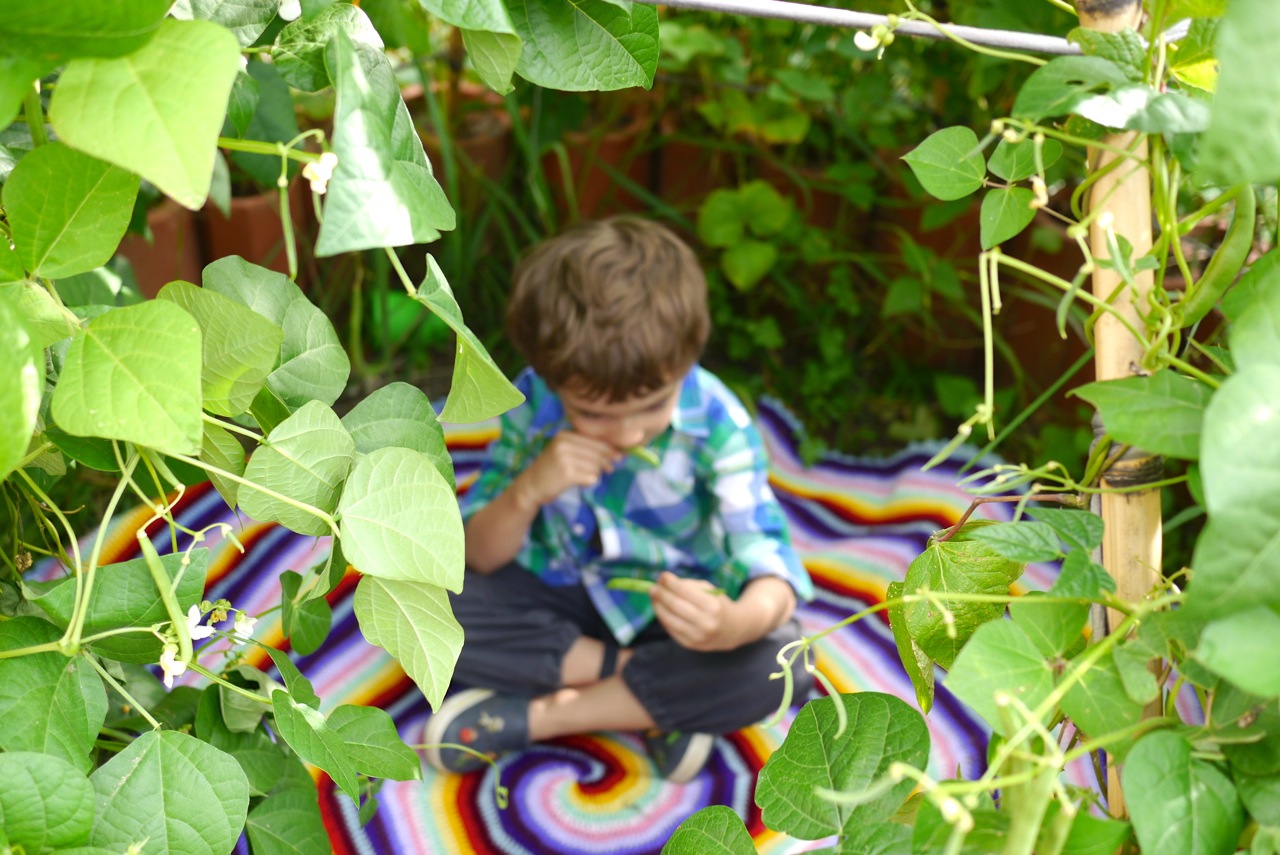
pixel 857 523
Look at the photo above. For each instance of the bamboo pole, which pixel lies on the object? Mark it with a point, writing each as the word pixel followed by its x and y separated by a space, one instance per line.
pixel 1131 546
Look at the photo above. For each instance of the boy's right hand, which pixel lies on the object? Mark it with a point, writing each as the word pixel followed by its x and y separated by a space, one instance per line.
pixel 569 460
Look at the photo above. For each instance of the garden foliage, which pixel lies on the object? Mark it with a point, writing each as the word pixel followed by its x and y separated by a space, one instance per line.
pixel 231 378
pixel 1205 397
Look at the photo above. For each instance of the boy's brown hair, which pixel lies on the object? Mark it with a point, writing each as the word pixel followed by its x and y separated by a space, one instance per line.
pixel 615 308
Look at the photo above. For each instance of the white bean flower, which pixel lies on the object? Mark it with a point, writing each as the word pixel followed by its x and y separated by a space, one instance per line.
pixel 290 10
pixel 194 629
pixel 318 172
pixel 171 665
pixel 244 626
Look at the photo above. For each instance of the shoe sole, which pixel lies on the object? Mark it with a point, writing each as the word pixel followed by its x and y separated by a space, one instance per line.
pixel 455 706
pixel 695 757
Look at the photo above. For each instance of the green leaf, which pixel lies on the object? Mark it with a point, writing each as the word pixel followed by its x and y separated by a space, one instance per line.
pixel 765 211
pixel 75 28
pixel 133 374
pixel 917 663
pixel 489 36
pixel 243 103
pixel 1132 660
pixel 1090 835
pixel 125 595
pixel 1241 647
pixel 45 803
pixel 263 761
pixel 306 458
pixel 715 830
pixel 45 320
pixel 415 624
pixel 747 262
pixel 963 566
pixel 1017 161
pixel 882 730
pixel 999 659
pixel 313 365
pixel 67 210
pixel 17 75
pixel 1099 704
pixel 307 733
pixel 240 346
pixel 221 449
pixel 399 416
pixel 479 390
pixel 1261 797
pixel 1179 805
pixel 373 744
pixel 48 703
pixel 21 385
pixel 1161 413
pixel 1078 529
pixel 1006 211
pixel 287 823
pixel 1237 556
pixel 1255 335
pixel 1052 627
pixel 312 621
pixel 932 833
pixel 157 111
pixel 172 791
pixel 494 56
pixel 400 519
pixel 720 221
pixel 1243 140
pixel 1081 577
pixel 1022 542
pixel 295 683
pixel 246 19
pixel 382 193
pixel 949 163
pixel 1059 86
pixel 298 52
pixel 1125 48
pixel 582 45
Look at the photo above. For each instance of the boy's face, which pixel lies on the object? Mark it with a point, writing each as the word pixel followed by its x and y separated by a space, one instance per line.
pixel 623 424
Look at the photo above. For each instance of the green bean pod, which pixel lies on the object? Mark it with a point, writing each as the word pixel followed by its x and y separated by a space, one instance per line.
pixel 644 455
pixel 1221 270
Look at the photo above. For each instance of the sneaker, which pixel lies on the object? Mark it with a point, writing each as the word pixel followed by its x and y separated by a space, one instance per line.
pixel 480 719
pixel 679 756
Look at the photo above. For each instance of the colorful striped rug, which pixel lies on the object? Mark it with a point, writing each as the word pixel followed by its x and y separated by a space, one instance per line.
pixel 858 523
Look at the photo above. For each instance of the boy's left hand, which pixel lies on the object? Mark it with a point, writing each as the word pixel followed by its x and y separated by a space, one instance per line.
pixel 694 613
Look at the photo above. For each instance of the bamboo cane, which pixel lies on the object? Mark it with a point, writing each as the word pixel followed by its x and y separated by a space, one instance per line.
pixel 1131 546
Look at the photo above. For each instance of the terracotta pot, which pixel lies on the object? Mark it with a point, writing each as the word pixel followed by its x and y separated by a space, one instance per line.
pixel 173 253
pixel 254 231
pixel 596 190
pixel 811 191
pixel 688 171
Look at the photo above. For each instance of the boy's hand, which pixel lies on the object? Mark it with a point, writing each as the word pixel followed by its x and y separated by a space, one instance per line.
pixel 694 613
pixel 569 460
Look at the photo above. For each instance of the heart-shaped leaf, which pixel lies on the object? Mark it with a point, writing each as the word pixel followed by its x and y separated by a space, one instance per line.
pixel 309 734
pixel 999 658
pixel 133 374
pixel 948 163
pixel 373 744
pixel 67 210
pixel 415 624
pixel 156 111
pixel 173 791
pixel 714 830
pixel 45 803
pixel 586 44
pixel 399 415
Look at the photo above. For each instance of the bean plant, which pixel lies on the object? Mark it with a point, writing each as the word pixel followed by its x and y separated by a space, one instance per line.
pixel 233 378
pixel 1205 395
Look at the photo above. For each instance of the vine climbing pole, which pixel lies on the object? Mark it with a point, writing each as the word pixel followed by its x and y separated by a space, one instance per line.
pixel 1131 549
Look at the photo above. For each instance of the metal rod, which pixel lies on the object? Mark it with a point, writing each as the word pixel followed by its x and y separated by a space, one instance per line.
pixel 807 14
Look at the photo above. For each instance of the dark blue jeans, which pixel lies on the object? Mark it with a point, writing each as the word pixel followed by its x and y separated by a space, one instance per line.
pixel 518 630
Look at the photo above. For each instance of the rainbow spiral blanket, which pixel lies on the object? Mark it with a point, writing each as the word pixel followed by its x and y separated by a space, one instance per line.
pixel 857 523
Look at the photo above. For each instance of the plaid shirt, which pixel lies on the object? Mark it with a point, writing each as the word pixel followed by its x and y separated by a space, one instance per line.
pixel 706 511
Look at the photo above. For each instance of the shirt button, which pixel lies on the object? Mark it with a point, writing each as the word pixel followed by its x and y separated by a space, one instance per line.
pixel 579 529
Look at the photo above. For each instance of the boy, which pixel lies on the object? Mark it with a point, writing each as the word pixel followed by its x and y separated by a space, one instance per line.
pixel 612 318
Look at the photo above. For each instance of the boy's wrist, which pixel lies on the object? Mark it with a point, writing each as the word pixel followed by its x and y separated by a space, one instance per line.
pixel 523 497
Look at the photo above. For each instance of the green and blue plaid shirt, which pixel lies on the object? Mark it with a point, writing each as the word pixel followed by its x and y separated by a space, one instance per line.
pixel 705 511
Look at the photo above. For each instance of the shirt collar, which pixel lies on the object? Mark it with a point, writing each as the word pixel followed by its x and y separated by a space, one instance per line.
pixel 690 415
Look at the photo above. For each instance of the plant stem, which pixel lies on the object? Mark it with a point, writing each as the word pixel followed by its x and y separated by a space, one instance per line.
pixel 1189 369
pixel 400 271
pixel 259 147
pixel 123 692
pixel 33 110
pixel 205 672
pixel 325 518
